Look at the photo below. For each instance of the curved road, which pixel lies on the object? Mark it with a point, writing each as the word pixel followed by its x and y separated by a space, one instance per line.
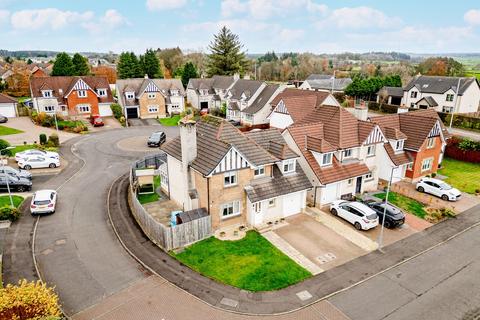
pixel 78 252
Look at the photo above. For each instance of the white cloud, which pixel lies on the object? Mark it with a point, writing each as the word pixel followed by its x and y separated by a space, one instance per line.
pixel 4 15
pixel 358 18
pixel 110 20
pixel 472 17
pixel 265 9
pixel 155 5
pixel 50 18
pixel 290 35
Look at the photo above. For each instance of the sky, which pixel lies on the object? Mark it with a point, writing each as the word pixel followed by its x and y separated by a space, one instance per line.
pixel 414 26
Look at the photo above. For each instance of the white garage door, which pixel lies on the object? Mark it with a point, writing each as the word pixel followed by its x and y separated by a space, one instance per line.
pixel 329 193
pixel 7 110
pixel 105 110
pixel 292 204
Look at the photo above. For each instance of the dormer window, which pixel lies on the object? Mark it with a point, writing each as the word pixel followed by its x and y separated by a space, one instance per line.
pixel 151 95
pixel 413 94
pixel 399 145
pixel 130 95
pixel 347 153
pixel 327 159
pixel 259 172
pixel 82 93
pixel 47 93
pixel 204 92
pixel 102 92
pixel 289 165
pixel 244 96
pixel 174 92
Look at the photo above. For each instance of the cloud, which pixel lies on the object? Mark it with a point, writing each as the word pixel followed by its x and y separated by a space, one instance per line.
pixel 4 15
pixel 472 17
pixel 265 9
pixel 290 35
pixel 358 18
pixel 158 5
pixel 110 20
pixel 49 18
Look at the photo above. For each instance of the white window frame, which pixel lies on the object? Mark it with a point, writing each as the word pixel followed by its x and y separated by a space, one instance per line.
pixel 328 157
pixel 272 203
pixel 130 95
pixel 289 164
pixel 47 93
pixel 399 145
pixel 430 143
pixel 86 108
pixel 259 171
pixel 232 177
pixel 410 166
pixel 174 106
pixel 449 97
pixel 82 93
pixel 152 95
pixel 350 181
pixel 447 109
pixel 152 109
pixel 369 176
pixel 371 150
pixel 175 92
pixel 233 207
pixel 428 162
pixel 413 94
pixel 47 108
pixel 347 153
pixel 102 92
pixel 257 207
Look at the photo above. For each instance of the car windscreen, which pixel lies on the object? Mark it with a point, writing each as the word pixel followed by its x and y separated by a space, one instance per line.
pixel 41 202
pixel 445 186
pixel 372 216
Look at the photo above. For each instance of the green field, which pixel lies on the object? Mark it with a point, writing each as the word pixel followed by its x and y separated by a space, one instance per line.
pixel 464 176
pixel 251 263
pixel 5 201
pixel 408 204
pixel 170 122
pixel 5 131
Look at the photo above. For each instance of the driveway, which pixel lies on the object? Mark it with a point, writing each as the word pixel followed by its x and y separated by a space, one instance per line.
pixel 143 122
pixel 110 123
pixel 31 132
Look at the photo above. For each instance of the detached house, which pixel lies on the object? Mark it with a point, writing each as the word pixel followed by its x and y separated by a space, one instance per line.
pixel 8 106
pixel 245 179
pixel 150 98
pixel 293 105
pixel 325 82
pixel 241 96
pixel 83 95
pixel 416 141
pixel 438 93
pixel 339 153
pixel 208 93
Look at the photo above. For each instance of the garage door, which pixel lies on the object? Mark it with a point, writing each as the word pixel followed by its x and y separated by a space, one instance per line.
pixel 105 110
pixel 7 110
pixel 329 193
pixel 292 204
pixel 132 113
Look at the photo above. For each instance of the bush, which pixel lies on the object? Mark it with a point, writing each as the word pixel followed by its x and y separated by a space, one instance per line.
pixel 29 300
pixel 9 213
pixel 435 215
pixel 3 145
pixel 116 110
pixel 53 140
pixel 61 126
pixel 43 138
pixel 469 145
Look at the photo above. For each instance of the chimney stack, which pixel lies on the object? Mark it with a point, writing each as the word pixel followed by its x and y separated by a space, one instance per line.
pixel 188 142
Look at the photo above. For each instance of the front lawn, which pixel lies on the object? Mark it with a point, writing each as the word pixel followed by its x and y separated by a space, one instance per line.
pixel 150 197
pixel 170 122
pixel 24 147
pixel 5 201
pixel 408 204
pixel 5 131
pixel 465 176
pixel 251 263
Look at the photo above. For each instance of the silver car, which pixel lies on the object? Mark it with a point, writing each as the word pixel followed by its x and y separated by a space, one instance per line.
pixel 23 174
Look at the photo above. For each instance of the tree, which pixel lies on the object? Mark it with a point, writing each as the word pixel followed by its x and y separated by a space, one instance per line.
pixel 80 65
pixel 172 59
pixel 29 61
pixel 189 71
pixel 106 71
pixel 441 66
pixel 226 56
pixel 151 65
pixel 63 65
pixel 128 66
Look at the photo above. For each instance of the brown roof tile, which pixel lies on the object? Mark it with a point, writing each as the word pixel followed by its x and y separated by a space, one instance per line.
pixel 398 159
pixel 6 99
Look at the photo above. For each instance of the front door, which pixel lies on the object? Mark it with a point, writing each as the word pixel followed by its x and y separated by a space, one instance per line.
pixel 358 187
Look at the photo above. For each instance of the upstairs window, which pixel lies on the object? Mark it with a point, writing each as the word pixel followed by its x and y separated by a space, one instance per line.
pixel 174 92
pixel 151 95
pixel 230 179
pixel 399 145
pixel 47 93
pixel 130 95
pixel 371 150
pixel 259 172
pixel 430 143
pixel 289 165
pixel 102 92
pixel 347 153
pixel 326 159
pixel 413 94
pixel 450 97
pixel 82 93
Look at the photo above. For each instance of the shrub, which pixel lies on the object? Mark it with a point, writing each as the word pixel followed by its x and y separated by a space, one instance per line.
pixel 61 126
pixel 9 213
pixel 28 300
pixel 434 174
pixel 53 140
pixel 469 145
pixel 116 110
pixel 436 215
pixel 3 145
pixel 43 138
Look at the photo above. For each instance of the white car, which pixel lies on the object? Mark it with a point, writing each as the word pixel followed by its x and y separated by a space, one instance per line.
pixel 43 201
pixel 34 152
pixel 439 189
pixel 358 214
pixel 38 162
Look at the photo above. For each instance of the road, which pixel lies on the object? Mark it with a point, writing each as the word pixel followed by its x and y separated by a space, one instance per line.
pixel 78 252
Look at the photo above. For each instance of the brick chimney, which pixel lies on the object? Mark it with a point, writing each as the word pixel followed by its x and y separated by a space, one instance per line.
pixel 188 141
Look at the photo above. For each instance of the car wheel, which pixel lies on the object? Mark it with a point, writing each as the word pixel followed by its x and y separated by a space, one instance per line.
pixel 52 165
pixel 27 167
pixel 421 189
pixel 334 212
pixel 387 224
pixel 358 226
pixel 20 188
pixel 444 197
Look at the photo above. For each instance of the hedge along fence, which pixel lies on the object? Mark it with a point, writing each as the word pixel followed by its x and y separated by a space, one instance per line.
pixel 382 107
pixel 461 120
pixel 453 150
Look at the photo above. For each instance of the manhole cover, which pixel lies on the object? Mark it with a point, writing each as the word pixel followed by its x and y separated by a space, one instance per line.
pixel 229 302
pixel 327 257
pixel 304 295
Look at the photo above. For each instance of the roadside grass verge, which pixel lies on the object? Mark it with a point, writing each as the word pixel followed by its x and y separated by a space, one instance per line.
pixel 408 204
pixel 5 201
pixel 30 146
pixel 150 197
pixel 5 131
pixel 465 176
pixel 251 263
pixel 170 122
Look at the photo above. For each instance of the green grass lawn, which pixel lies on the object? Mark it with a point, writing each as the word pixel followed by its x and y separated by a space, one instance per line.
pixel 465 176
pixel 5 201
pixel 5 131
pixel 170 122
pixel 150 197
pixel 22 148
pixel 251 263
pixel 408 204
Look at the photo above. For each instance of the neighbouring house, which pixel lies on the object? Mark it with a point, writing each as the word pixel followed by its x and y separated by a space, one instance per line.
pixel 256 114
pixel 8 106
pixel 208 93
pixel 390 95
pixel 240 178
pixel 242 95
pixel 40 69
pixel 292 105
pixel 340 154
pixel 438 93
pixel 74 96
pixel 150 98
pixel 325 82
pixel 416 139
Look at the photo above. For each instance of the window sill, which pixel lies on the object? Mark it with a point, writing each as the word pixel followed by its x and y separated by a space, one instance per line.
pixel 231 216
pixel 230 186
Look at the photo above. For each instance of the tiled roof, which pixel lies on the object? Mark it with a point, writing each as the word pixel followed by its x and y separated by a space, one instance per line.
pixel 394 134
pixel 339 84
pixel 262 99
pixel 398 159
pixel 272 141
pixel 429 100
pixel 317 76
pixel 233 106
pixel 222 82
pixel 318 145
pixel 138 85
pixel 393 91
pixel 435 84
pixel 248 87
pixel 6 99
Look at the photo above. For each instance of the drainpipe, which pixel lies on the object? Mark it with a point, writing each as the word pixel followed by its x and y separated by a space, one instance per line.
pixel 315 196
pixel 208 196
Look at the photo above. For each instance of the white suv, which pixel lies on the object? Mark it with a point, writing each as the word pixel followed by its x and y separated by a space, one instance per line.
pixel 43 201
pixel 439 189
pixel 361 216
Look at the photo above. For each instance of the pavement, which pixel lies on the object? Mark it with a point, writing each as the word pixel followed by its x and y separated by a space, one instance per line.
pixel 143 122
pixel 474 135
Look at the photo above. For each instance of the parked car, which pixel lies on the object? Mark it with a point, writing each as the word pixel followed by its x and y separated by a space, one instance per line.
pixel 361 216
pixel 38 162
pixel 43 201
pixel 3 119
pixel 439 189
pixel 234 123
pixel 15 173
pixel 35 152
pixel 96 121
pixel 394 217
pixel 15 184
pixel 156 139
